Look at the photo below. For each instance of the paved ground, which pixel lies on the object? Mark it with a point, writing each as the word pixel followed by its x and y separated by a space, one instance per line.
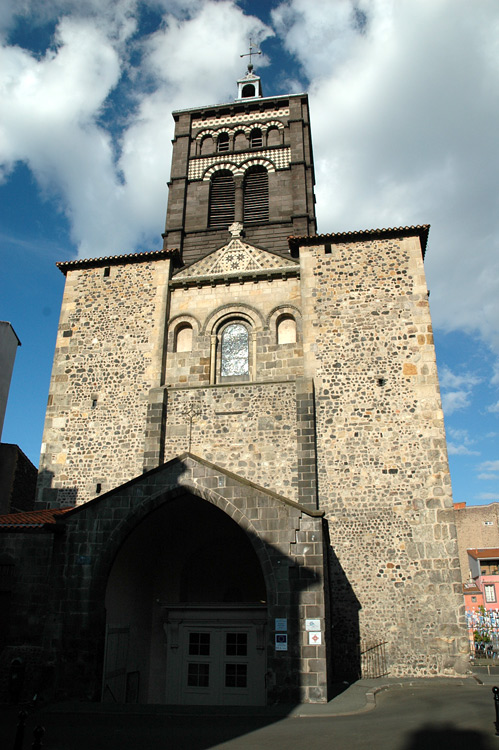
pixel 390 715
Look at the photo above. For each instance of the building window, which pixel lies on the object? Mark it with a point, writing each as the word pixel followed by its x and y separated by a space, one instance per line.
pixel 256 195
pixel 234 358
pixel 286 330
pixel 473 599
pixel 183 338
pixel 223 143
pixel 489 567
pixel 490 593
pixel 248 90
pixel 256 138
pixel 222 197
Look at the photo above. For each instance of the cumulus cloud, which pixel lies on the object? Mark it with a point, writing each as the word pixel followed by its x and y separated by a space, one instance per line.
pixel 456 389
pixel 460 443
pixel 404 133
pixel 110 181
pixel 489 466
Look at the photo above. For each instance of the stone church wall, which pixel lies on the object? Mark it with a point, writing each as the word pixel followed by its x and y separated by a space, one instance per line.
pixel 248 429
pixel 382 464
pixel 109 354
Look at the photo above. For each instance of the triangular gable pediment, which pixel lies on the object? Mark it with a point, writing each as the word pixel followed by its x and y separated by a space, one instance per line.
pixel 186 472
pixel 237 259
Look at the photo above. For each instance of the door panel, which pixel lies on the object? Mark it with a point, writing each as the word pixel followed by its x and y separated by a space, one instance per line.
pixel 215 665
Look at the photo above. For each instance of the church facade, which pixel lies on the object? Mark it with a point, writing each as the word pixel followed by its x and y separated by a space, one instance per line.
pixel 244 488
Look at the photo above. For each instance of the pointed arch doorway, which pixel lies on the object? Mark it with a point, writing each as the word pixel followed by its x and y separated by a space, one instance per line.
pixel 186 611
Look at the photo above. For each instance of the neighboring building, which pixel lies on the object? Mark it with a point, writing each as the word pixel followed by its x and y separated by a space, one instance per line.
pixel 244 480
pixel 477 527
pixel 8 348
pixel 17 474
pixel 17 480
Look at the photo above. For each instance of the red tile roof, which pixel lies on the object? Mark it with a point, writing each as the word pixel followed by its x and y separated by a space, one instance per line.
pixel 31 519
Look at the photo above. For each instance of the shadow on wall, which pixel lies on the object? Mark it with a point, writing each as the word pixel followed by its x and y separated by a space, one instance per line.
pixel 53 497
pixel 150 562
pixel 345 631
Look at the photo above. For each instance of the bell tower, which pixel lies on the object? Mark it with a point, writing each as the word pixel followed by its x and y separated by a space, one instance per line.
pixel 248 161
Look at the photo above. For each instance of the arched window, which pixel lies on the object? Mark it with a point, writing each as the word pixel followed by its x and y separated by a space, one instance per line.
pixel 223 142
pixel 183 338
pixel 286 330
pixel 256 138
pixel 222 196
pixel 240 141
pixel 234 346
pixel 256 195
pixel 273 137
pixel 248 90
pixel 207 145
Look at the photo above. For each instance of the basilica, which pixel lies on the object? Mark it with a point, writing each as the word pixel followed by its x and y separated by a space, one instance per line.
pixel 243 493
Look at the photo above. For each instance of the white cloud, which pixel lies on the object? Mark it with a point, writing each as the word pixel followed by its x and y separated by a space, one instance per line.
pixel 454 401
pixel 404 133
pixel 489 466
pixel 449 379
pixel 494 408
pixel 488 477
pixel 460 442
pixel 460 450
pixel 52 108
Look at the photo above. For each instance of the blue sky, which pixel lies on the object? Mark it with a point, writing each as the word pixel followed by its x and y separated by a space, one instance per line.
pixel 404 109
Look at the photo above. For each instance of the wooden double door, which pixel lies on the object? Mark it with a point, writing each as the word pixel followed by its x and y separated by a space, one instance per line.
pixel 216 659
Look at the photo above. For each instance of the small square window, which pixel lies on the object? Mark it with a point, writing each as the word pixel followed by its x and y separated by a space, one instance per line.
pixel 198 675
pixel 236 675
pixel 199 644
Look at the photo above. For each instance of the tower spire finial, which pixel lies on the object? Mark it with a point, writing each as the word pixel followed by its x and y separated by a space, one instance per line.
pixel 252 51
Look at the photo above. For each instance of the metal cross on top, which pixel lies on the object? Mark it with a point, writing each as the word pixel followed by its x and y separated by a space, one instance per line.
pixel 252 51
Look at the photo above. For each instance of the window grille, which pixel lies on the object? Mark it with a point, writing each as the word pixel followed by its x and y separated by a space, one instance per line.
pixel 256 138
pixel 222 195
pixel 256 196
pixel 223 142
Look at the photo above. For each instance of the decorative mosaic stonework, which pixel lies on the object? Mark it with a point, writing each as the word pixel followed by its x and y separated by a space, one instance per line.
pixel 234 257
pixel 243 117
pixel 272 159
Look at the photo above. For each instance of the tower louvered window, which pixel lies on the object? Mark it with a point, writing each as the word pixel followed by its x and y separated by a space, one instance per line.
pixel 256 195
pixel 222 195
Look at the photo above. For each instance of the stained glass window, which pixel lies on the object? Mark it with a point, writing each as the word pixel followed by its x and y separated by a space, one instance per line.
pixel 235 351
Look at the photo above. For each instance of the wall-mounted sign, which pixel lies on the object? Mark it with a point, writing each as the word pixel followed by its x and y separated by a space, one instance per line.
pixel 312 625
pixel 281 624
pixel 314 639
pixel 281 641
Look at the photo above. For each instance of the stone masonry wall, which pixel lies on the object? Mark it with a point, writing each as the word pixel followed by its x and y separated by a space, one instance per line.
pixel 109 354
pixel 287 540
pixel 248 429
pixel 382 463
